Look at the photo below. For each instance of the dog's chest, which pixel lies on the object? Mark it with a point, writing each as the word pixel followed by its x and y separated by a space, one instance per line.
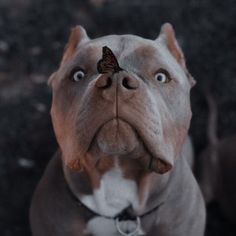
pixel 114 194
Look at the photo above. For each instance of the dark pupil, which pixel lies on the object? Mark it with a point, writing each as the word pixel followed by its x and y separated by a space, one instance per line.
pixel 80 75
pixel 159 77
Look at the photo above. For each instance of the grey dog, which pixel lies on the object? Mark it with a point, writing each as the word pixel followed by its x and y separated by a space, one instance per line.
pixel 121 167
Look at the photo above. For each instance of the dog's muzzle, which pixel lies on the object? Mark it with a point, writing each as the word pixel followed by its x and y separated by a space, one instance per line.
pixel 117 137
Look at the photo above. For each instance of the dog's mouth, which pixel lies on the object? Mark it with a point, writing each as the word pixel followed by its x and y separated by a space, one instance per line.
pixel 117 137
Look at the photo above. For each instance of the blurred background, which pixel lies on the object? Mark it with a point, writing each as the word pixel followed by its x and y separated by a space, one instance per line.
pixel 33 34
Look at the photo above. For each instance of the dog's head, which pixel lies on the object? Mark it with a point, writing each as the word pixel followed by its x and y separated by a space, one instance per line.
pixel 141 111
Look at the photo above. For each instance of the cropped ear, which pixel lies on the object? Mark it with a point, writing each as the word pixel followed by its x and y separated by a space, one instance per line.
pixel 167 37
pixel 78 35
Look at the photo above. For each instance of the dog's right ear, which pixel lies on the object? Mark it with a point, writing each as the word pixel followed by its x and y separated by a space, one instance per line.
pixel 78 35
pixel 167 37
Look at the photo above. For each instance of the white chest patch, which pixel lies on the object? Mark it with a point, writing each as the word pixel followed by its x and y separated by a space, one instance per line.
pixel 115 194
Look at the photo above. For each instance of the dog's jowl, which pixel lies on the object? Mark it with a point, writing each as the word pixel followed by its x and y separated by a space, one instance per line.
pixel 121 114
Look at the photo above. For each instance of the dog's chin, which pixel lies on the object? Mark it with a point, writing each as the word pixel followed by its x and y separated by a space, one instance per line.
pixel 117 137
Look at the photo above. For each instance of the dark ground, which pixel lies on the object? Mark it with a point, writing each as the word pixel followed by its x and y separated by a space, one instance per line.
pixel 32 37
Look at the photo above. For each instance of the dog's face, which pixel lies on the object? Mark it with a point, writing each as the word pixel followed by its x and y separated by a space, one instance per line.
pixel 142 112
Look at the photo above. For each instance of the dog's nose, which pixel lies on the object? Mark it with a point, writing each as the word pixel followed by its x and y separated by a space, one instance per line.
pixel 122 83
pixel 127 82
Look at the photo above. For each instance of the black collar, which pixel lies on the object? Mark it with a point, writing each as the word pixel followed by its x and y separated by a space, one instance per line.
pixel 122 216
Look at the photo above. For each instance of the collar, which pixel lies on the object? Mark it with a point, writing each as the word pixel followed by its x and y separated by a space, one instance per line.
pixel 122 216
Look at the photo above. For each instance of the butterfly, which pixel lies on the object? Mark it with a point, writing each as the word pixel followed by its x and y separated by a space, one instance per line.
pixel 108 63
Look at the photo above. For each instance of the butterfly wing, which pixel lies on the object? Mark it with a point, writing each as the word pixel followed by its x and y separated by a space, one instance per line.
pixel 108 63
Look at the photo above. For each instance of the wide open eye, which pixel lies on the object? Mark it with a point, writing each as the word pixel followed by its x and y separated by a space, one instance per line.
pixel 162 76
pixel 78 75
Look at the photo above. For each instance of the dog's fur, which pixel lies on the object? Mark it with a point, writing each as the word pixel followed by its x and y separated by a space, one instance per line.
pixel 121 140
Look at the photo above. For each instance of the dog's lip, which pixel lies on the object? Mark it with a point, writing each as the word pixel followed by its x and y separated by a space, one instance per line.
pixel 144 141
pixel 124 120
pixel 97 131
pixel 106 122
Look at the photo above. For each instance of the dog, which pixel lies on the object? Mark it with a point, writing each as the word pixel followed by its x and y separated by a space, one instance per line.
pixel 121 113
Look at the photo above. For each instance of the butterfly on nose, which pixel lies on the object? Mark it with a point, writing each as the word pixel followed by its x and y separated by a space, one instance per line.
pixel 108 63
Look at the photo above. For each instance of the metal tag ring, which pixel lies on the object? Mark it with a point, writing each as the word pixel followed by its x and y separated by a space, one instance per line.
pixel 134 233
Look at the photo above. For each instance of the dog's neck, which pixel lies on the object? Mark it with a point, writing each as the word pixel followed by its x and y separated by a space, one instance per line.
pixel 115 184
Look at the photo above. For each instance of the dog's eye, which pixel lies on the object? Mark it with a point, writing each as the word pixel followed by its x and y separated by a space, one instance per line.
pixel 162 76
pixel 78 75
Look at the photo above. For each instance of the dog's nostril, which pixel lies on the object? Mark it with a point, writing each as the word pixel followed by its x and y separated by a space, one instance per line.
pixel 128 84
pixel 104 82
pixel 109 82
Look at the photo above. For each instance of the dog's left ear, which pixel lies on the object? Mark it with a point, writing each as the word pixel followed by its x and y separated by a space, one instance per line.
pixel 78 35
pixel 167 36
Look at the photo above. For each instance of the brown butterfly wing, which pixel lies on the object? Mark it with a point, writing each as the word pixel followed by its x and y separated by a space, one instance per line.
pixel 108 63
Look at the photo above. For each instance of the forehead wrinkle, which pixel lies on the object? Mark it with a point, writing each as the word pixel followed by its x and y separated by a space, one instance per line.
pixel 119 44
pixel 138 55
pixel 130 45
pixel 111 41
